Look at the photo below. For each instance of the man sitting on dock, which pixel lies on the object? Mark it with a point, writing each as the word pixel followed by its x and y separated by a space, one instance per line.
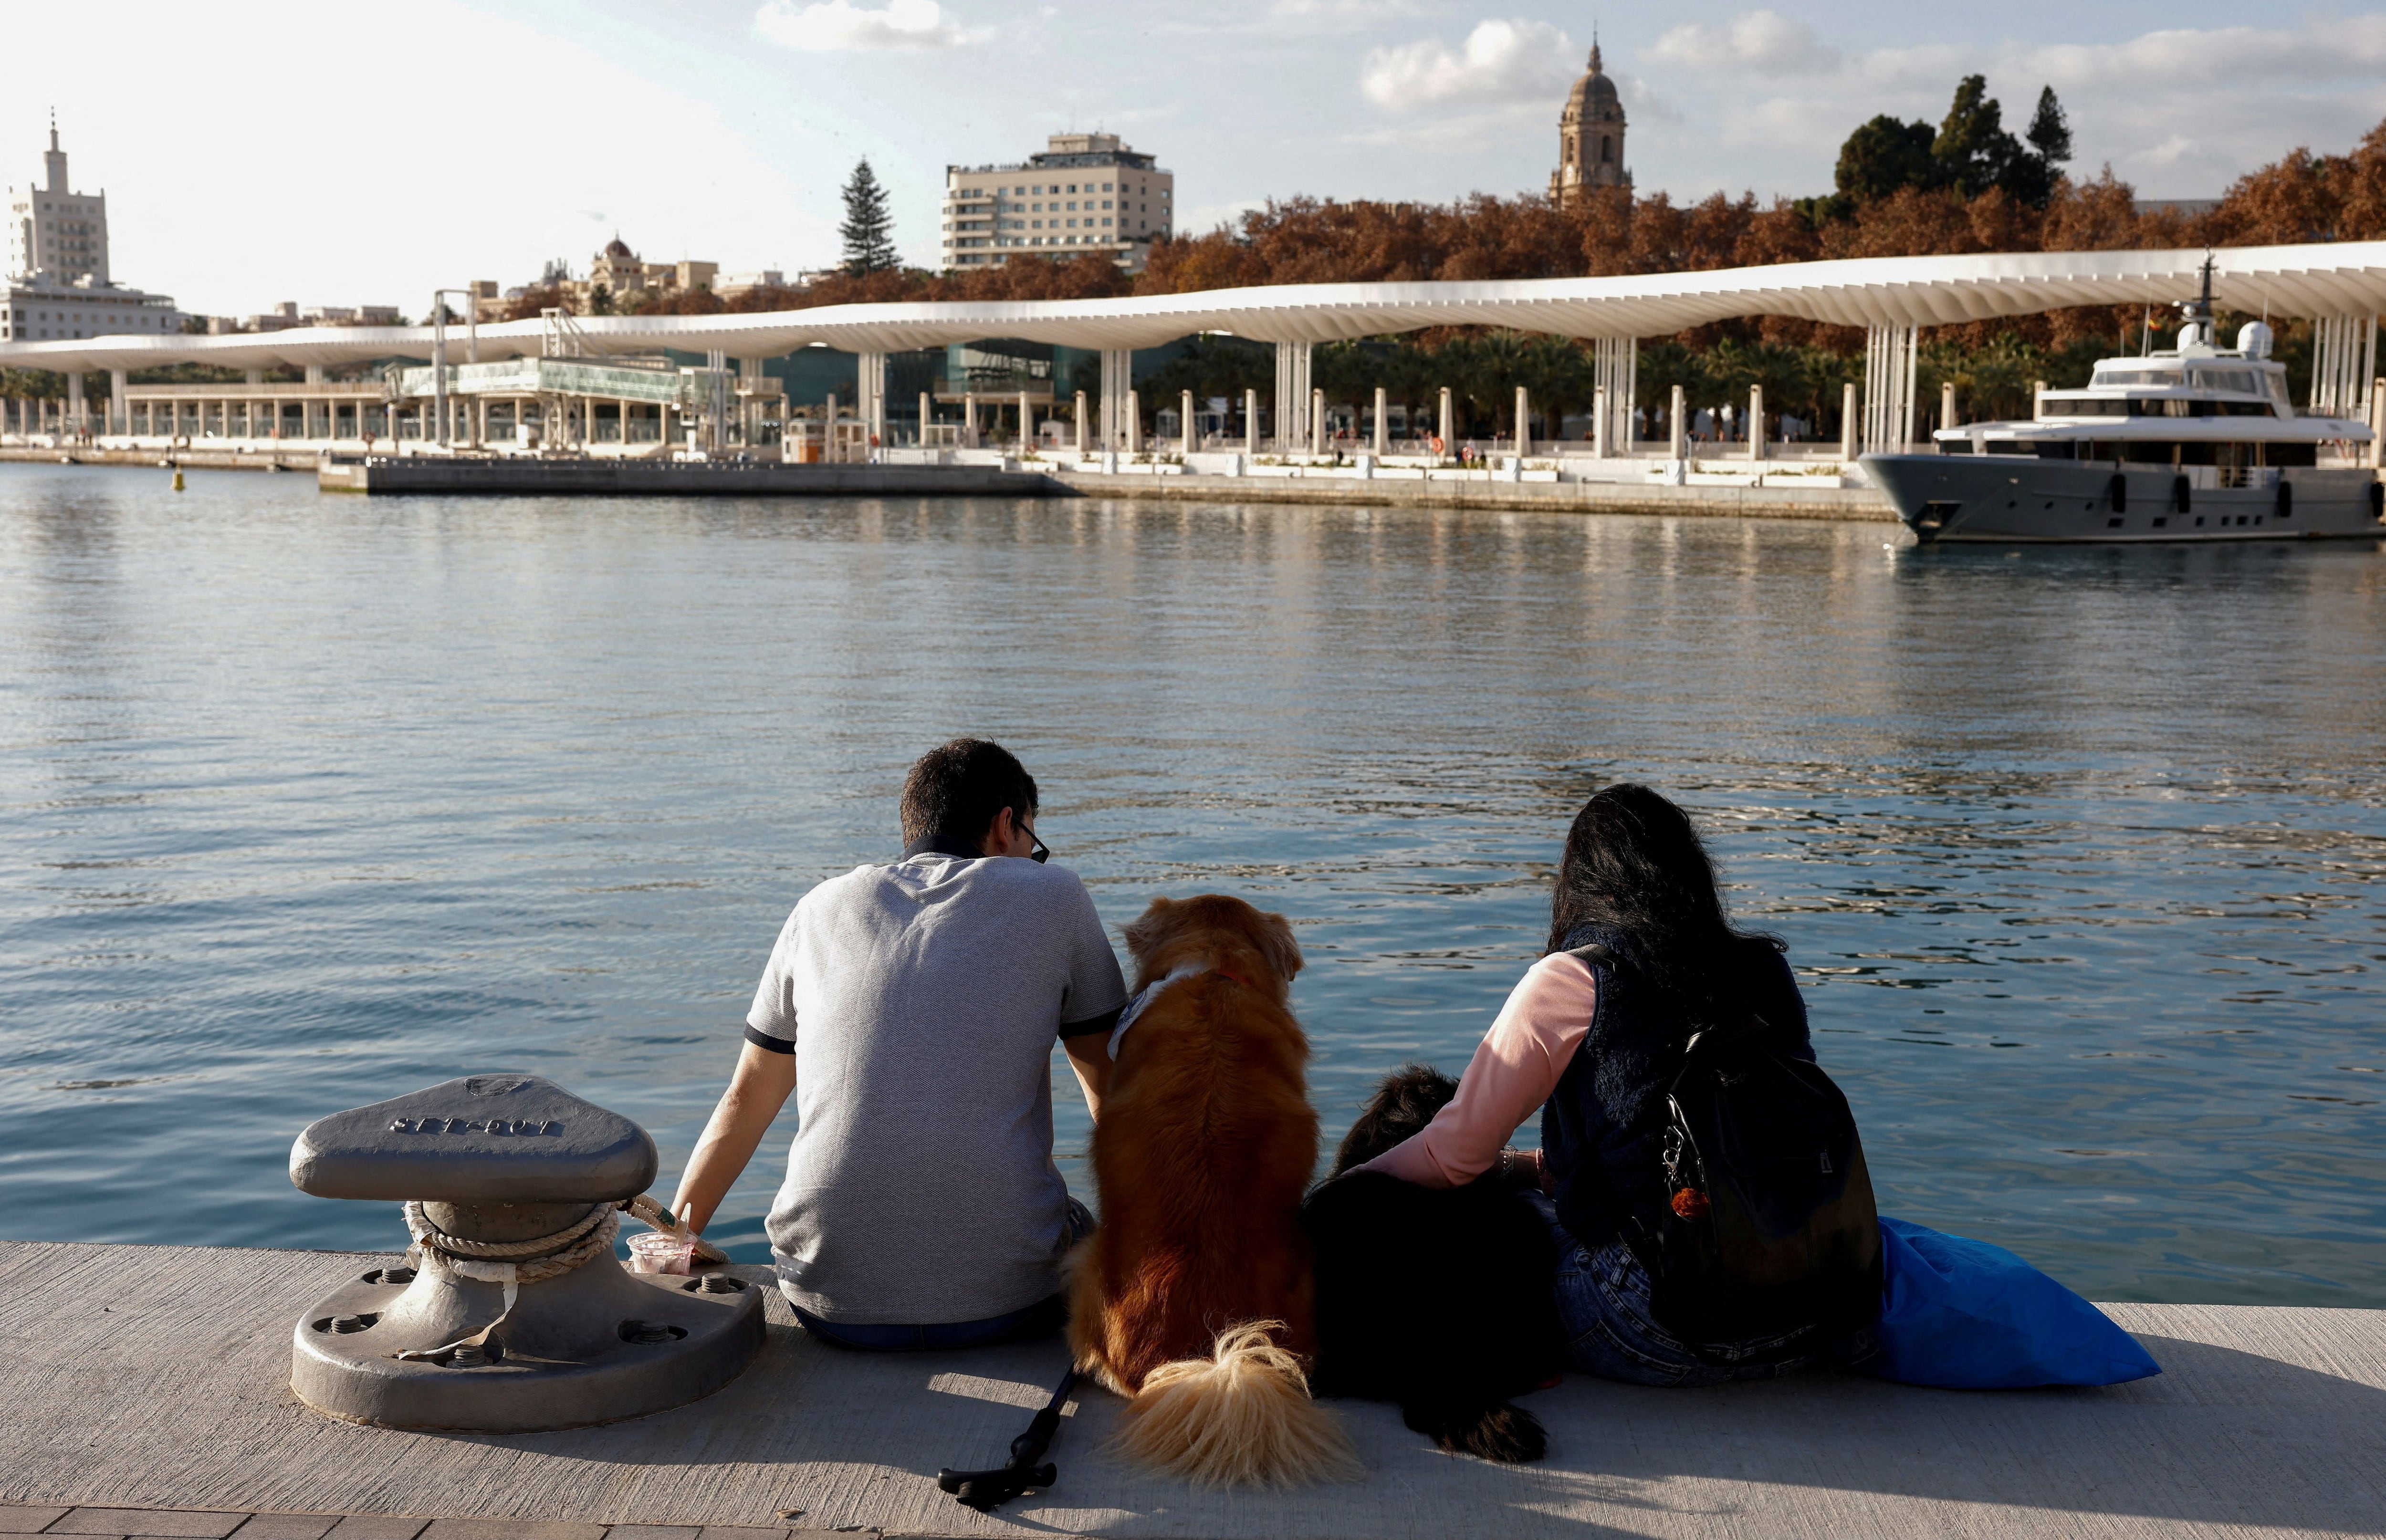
pixel 911 1009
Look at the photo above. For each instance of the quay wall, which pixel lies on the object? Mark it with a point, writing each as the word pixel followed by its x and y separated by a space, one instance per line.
pixel 192 459
pixel 1854 503
pixel 601 477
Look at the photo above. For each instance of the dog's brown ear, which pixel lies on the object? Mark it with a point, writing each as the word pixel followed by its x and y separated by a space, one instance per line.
pixel 1277 943
pixel 1144 932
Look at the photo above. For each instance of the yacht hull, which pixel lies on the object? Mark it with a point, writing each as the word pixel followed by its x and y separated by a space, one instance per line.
pixel 1966 499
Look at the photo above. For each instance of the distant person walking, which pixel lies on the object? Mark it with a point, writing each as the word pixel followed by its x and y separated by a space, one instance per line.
pixel 910 1008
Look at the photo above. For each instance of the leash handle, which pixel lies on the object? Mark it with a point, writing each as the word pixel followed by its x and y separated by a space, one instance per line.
pixel 986 1490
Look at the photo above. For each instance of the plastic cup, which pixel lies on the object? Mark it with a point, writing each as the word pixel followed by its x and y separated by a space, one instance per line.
pixel 656 1252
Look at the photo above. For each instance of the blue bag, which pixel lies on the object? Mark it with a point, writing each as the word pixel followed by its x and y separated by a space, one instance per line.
pixel 1966 1315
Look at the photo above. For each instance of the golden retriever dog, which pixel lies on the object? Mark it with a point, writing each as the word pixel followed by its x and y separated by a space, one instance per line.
pixel 1194 1297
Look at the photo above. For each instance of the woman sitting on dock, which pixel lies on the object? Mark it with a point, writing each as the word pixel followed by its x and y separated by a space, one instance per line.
pixel 1600 1035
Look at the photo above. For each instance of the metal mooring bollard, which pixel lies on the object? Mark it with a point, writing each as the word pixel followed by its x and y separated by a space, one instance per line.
pixel 512 1314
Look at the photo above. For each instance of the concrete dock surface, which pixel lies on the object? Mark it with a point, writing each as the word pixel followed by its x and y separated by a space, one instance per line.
pixel 145 1394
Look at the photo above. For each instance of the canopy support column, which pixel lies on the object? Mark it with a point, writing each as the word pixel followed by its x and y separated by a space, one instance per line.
pixel 1615 368
pixel 870 384
pixel 1118 379
pixel 2344 359
pixel 1291 393
pixel 1889 389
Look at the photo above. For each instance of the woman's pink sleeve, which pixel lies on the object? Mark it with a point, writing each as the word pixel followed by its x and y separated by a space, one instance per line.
pixel 1513 1073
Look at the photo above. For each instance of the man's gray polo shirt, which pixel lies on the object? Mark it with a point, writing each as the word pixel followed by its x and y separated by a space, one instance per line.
pixel 920 1001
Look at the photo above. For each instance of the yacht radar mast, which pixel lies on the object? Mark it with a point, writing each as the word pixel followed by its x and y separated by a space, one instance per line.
pixel 2195 315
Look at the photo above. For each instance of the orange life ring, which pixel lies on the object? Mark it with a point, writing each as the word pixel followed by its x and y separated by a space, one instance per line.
pixel 1438 446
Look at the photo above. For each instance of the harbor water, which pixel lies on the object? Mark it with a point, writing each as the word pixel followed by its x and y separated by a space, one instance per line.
pixel 307 801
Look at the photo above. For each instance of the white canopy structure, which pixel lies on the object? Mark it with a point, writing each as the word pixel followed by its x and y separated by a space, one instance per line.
pixel 1889 292
pixel 2342 284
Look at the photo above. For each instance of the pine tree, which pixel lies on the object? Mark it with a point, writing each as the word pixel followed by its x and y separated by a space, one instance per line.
pixel 867 230
pixel 2050 131
pixel 1973 149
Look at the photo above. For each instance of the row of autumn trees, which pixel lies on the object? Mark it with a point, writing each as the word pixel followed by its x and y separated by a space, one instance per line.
pixel 1968 186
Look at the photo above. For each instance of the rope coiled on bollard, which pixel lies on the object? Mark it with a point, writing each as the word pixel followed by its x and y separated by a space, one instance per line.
pixel 531 1261
pixel 508 1263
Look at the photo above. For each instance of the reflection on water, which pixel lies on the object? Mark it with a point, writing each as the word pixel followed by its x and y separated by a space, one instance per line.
pixel 314 800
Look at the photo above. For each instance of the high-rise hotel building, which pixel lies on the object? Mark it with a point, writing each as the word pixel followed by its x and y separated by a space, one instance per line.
pixel 56 280
pixel 1087 191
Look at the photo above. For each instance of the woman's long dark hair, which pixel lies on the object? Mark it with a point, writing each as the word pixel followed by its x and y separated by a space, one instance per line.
pixel 1634 863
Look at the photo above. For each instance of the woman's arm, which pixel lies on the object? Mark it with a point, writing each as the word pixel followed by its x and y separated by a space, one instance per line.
pixel 1515 1070
pixel 756 1092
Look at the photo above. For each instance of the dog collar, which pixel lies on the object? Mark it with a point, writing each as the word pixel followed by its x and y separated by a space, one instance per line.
pixel 1152 992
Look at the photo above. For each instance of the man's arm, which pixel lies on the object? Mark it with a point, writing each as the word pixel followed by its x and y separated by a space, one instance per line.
pixel 1090 1055
pixel 757 1091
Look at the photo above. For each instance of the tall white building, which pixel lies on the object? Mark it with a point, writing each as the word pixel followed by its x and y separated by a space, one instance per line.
pixel 58 284
pixel 1086 191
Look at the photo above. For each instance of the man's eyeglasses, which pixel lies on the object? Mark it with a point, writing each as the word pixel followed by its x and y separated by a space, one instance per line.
pixel 1042 852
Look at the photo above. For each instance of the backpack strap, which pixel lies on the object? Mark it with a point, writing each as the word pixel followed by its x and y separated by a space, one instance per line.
pixel 1628 1226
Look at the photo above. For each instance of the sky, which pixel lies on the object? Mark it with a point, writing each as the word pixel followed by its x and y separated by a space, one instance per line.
pixel 256 151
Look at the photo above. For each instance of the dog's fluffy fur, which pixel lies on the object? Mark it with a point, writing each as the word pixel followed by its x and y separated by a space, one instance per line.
pixel 1194 1297
pixel 1438 1299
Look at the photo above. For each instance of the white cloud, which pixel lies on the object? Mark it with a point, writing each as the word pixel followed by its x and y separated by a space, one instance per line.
pixel 1501 60
pixel 1761 42
pixel 839 26
pixel 1343 10
pixel 377 227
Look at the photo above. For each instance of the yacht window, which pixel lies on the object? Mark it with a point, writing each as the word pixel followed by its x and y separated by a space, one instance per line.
pixel 2157 379
pixel 2008 447
pixel 2241 380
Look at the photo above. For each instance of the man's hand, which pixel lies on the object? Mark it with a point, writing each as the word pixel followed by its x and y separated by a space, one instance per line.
pixel 757 1092
pixel 1090 1055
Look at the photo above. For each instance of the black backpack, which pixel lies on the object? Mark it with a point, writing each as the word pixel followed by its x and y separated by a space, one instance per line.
pixel 1767 1227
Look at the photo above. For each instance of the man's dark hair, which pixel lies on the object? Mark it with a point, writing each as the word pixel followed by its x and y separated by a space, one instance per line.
pixel 954 792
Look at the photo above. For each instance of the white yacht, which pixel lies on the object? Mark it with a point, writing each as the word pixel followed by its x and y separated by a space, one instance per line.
pixel 2191 443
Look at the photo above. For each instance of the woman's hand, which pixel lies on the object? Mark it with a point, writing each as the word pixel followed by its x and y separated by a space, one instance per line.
pixel 1522 1168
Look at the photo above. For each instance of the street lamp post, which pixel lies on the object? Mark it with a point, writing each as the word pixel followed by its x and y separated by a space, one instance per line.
pixel 439 352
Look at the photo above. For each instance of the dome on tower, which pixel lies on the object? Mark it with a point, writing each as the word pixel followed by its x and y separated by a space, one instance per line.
pixel 1594 93
pixel 618 247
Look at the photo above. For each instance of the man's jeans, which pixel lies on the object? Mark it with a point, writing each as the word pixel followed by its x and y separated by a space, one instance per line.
pixel 1603 1305
pixel 1039 1320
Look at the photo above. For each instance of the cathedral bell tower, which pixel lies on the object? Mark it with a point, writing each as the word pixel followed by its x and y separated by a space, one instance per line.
pixel 1591 138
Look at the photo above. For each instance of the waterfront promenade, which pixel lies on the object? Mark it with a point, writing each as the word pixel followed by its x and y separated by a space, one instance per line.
pixel 146 1396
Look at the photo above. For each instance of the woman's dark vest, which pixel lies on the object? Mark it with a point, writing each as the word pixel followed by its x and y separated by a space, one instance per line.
pixel 1602 1128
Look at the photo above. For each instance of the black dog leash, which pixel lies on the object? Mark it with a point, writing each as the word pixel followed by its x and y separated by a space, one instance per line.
pixel 986 1490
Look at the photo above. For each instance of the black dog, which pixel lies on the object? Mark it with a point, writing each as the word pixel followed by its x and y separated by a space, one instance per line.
pixel 1438 1299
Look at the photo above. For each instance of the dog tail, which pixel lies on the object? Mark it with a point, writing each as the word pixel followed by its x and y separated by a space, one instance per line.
pixel 1241 1417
